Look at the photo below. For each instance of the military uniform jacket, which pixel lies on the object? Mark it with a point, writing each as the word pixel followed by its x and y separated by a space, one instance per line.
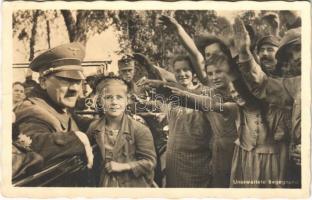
pixel 51 132
pixel 280 92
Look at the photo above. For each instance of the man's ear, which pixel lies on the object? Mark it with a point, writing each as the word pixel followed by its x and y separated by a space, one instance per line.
pixel 43 82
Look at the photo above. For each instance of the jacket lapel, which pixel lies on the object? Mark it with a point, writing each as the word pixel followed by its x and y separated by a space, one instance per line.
pixel 99 133
pixel 61 117
pixel 124 135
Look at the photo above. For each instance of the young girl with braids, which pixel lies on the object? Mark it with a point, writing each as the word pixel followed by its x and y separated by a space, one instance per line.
pixel 125 155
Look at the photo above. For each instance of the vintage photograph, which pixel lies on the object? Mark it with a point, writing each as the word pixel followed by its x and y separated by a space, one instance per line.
pixel 156 98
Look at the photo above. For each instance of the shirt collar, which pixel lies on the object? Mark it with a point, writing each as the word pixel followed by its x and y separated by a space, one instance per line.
pixel 125 128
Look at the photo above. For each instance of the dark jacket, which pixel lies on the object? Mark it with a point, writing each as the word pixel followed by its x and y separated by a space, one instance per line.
pixel 134 145
pixel 50 130
pixel 280 92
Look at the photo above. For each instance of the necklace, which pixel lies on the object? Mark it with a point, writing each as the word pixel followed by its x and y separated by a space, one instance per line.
pixel 112 132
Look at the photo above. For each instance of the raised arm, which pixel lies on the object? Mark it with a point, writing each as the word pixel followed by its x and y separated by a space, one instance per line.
pixel 201 102
pixel 272 90
pixel 188 43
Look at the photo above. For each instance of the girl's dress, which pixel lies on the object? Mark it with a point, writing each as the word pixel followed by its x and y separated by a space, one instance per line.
pixel 132 144
pixel 188 152
pixel 224 135
pixel 259 157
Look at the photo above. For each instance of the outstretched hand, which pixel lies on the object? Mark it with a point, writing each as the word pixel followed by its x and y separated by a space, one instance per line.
pixel 141 58
pixel 241 37
pixel 151 83
pixel 169 22
pixel 177 91
pixel 153 73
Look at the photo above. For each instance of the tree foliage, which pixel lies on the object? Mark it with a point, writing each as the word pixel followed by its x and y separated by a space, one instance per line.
pixel 137 30
pixel 82 24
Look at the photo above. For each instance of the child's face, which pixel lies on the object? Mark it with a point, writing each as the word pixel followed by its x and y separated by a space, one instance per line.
pixel 216 76
pixel 114 99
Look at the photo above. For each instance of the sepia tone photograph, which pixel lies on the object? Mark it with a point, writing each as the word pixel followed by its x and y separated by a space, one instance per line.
pixel 156 98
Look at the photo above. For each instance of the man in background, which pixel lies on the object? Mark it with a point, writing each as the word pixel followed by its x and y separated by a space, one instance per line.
pixel 266 49
pixel 18 93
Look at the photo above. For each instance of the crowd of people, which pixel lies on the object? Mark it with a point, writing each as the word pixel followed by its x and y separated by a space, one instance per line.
pixel 238 125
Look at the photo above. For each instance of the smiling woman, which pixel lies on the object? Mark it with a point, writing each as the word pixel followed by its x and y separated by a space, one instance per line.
pixel 183 71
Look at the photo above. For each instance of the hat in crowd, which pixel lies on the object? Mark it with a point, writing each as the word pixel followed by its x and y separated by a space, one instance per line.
pixel 268 39
pixel 62 61
pixel 271 18
pixel 127 62
pixel 204 40
pixel 293 36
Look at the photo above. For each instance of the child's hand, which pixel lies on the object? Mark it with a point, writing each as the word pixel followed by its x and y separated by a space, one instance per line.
pixel 113 166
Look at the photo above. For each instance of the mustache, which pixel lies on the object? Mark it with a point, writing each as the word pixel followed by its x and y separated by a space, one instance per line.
pixel 265 58
pixel 71 93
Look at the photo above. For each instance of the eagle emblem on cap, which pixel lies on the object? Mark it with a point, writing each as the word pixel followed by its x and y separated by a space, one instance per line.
pixel 74 50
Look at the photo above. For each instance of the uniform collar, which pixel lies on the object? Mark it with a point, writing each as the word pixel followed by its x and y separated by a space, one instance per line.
pixel 42 94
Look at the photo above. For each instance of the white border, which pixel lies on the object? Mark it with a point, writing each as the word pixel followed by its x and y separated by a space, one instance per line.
pixel 6 74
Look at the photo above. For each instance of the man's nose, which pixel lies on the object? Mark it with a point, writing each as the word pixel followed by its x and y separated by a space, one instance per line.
pixel 265 52
pixel 214 76
pixel 181 73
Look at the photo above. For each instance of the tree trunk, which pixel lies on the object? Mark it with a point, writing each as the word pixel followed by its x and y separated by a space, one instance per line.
pixel 48 34
pixel 81 26
pixel 32 39
pixel 70 24
pixel 76 29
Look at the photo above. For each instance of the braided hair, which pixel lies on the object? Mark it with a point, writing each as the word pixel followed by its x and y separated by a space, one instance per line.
pixel 101 83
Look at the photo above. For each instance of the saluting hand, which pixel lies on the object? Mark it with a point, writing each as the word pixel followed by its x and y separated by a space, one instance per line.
pixel 141 58
pixel 177 91
pixel 113 166
pixel 151 83
pixel 241 36
pixel 170 22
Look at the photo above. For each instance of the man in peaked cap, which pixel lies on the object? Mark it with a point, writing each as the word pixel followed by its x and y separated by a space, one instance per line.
pixel 266 50
pixel 44 118
pixel 126 70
